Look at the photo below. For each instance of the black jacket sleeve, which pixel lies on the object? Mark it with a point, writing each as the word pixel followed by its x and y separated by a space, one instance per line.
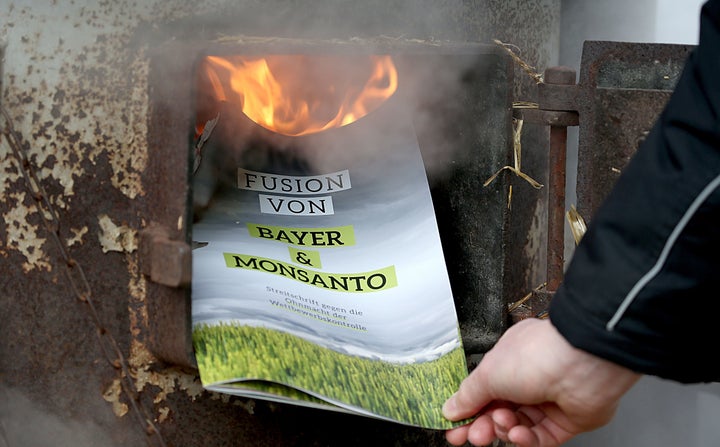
pixel 643 284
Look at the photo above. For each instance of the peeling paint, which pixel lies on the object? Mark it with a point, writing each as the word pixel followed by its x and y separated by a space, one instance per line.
pixel 77 237
pixel 22 236
pixel 168 380
pixel 141 360
pixel 137 310
pixel 164 382
pixel 130 158
pixel 163 414
pixel 191 385
pixel 77 99
pixel 112 395
pixel 114 237
pixel 9 173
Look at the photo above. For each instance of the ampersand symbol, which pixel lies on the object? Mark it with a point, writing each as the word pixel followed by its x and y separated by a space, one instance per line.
pixel 303 259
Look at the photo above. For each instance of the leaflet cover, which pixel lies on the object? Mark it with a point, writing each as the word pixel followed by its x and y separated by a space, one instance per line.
pixel 321 281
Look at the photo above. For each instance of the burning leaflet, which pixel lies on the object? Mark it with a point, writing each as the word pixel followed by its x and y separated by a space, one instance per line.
pixel 313 289
pixel 298 95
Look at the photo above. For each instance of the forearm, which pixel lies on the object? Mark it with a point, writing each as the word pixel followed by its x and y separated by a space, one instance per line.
pixel 641 282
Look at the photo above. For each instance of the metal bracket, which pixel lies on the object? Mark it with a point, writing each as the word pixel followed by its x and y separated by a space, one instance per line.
pixel 165 261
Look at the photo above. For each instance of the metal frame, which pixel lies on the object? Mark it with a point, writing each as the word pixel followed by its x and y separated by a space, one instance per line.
pixel 623 88
pixel 466 212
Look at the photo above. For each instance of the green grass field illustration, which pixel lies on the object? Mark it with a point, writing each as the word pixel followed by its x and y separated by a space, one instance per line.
pixel 410 393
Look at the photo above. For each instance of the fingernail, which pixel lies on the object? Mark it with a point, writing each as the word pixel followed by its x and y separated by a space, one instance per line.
pixel 501 429
pixel 449 407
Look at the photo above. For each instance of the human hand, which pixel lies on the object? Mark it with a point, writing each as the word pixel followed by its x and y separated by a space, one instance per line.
pixel 536 390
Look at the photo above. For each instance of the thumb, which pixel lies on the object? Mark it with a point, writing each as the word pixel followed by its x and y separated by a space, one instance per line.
pixel 470 398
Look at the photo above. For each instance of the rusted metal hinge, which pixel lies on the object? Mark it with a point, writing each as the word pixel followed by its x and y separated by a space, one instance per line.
pixel 168 262
pixel 165 261
pixel 557 108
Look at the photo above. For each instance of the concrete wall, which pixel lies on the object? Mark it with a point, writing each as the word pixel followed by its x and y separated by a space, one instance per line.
pixel 655 413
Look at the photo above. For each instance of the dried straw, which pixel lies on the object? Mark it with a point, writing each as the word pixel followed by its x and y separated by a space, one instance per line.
pixel 524 65
pixel 521 301
pixel 577 224
pixel 517 159
pixel 517 123
pixel 525 105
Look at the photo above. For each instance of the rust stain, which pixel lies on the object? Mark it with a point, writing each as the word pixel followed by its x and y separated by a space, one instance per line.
pixel 79 101
pixel 534 242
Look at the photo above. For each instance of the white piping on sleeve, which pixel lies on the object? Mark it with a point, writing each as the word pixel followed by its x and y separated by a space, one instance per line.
pixel 653 272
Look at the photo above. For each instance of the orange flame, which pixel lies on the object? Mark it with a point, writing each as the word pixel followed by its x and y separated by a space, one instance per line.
pixel 299 94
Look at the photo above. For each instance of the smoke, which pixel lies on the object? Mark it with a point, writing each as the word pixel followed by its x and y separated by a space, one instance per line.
pixel 26 423
pixel 434 96
pixel 333 19
pixel 76 78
